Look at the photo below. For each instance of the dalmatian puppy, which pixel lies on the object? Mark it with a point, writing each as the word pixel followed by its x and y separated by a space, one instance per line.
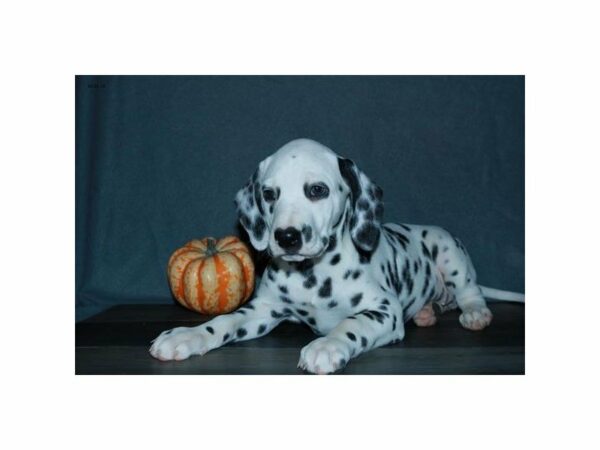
pixel 335 267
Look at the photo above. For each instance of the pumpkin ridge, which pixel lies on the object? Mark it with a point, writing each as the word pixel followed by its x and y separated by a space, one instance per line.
pixel 178 253
pixel 234 242
pixel 181 284
pixel 179 276
pixel 199 287
pixel 246 270
pixel 230 240
pixel 223 277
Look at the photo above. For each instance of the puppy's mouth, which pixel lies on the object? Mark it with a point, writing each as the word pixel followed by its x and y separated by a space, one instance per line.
pixel 297 257
pixel 294 258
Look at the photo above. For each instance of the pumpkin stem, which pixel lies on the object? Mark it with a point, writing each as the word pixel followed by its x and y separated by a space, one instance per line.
pixel 211 247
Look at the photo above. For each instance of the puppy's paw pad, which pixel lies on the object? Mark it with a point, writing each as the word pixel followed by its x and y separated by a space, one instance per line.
pixel 476 319
pixel 426 317
pixel 323 356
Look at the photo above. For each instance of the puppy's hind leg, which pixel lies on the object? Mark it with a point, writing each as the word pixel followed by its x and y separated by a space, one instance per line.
pixel 460 281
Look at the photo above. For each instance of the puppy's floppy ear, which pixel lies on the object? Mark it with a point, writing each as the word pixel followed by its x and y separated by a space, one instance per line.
pixel 366 206
pixel 249 203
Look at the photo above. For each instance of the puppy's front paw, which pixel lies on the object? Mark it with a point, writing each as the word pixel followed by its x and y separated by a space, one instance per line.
pixel 178 343
pixel 476 318
pixel 324 355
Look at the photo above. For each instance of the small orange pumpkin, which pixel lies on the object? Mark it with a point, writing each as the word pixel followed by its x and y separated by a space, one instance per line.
pixel 210 276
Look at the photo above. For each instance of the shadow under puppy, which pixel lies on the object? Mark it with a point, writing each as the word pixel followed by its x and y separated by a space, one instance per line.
pixel 335 266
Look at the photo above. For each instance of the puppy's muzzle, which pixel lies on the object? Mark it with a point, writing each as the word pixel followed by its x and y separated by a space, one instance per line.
pixel 289 239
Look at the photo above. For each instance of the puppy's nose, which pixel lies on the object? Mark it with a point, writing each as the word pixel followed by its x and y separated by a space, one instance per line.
pixel 289 239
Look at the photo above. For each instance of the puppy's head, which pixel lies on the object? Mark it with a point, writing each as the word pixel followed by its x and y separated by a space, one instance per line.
pixel 298 196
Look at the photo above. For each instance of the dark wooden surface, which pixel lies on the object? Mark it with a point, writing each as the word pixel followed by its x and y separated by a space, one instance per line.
pixel 116 341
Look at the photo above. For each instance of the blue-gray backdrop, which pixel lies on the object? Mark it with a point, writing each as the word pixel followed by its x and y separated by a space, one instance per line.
pixel 159 159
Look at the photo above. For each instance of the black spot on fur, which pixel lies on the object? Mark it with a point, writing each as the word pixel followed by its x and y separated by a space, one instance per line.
pixel 364 257
pixel 350 176
pixel 335 259
pixel 394 278
pixel 356 274
pixel 363 341
pixel 363 204
pixel 408 305
pixel 258 229
pixel 310 282
pixel 351 336
pixel 305 266
pixel 406 227
pixel 368 234
pixel 332 304
pixel 425 286
pixel 347 274
pixel 434 252
pixel 311 321
pixel 241 332
pixel 285 299
pixel 385 301
pixel 225 337
pixel 332 243
pixel 454 273
pixel 400 238
pixel 210 330
pixel 262 328
pixel 325 289
pixel 276 315
pixel 307 232
pixel 375 315
pixel 257 198
pixel 450 284
pixel 302 312
pixel 406 277
pixel 425 250
pixel 283 289
pixel 354 301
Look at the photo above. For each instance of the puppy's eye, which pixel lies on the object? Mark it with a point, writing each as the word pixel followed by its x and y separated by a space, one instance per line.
pixel 269 195
pixel 316 191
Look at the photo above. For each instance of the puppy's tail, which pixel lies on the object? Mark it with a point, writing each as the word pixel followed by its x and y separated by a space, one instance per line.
pixel 497 294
